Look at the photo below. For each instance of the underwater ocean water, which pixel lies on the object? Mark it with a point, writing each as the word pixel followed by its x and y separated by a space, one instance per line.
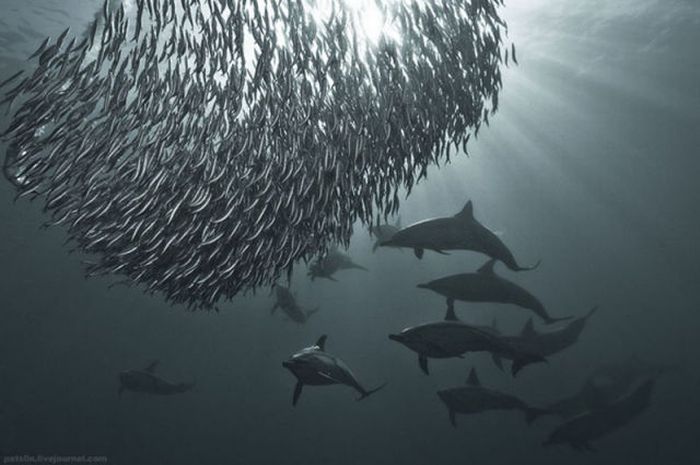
pixel 589 165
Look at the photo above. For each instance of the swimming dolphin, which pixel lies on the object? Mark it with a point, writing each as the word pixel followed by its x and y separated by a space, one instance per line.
pixel 582 429
pixel 335 260
pixel 316 367
pixel 459 232
pixel 548 343
pixel 606 384
pixel 146 381
pixel 452 338
pixel 384 232
pixel 288 304
pixel 486 286
pixel 474 398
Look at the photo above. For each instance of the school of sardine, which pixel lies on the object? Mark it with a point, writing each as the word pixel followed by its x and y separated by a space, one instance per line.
pixel 200 148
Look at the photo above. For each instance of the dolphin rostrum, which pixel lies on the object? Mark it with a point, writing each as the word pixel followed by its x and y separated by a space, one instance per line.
pixel 486 286
pixel 459 232
pixel 315 367
pixel 146 381
pixel 474 398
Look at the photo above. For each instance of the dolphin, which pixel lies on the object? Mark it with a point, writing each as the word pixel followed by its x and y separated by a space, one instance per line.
pixel 452 338
pixel 384 232
pixel 474 398
pixel 287 302
pixel 606 384
pixel 459 232
pixel 335 260
pixel 486 286
pixel 146 381
pixel 548 343
pixel 582 429
pixel 316 367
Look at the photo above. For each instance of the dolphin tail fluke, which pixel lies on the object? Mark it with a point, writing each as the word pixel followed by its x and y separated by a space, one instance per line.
pixel 365 394
pixel 532 414
pixel 297 392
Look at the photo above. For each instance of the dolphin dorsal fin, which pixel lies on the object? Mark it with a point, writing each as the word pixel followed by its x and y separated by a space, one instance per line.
pixel 529 329
pixel 467 212
pixel 487 268
pixel 151 367
pixel 473 379
pixel 450 315
pixel 321 343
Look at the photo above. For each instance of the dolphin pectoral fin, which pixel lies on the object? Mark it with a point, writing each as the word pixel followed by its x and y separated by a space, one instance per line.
pixel 440 252
pixel 453 418
pixel 418 252
pixel 517 365
pixel 365 394
pixel 497 361
pixel 526 268
pixel 522 362
pixel 549 320
pixel 375 246
pixel 487 268
pixel 297 392
pixel 423 362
